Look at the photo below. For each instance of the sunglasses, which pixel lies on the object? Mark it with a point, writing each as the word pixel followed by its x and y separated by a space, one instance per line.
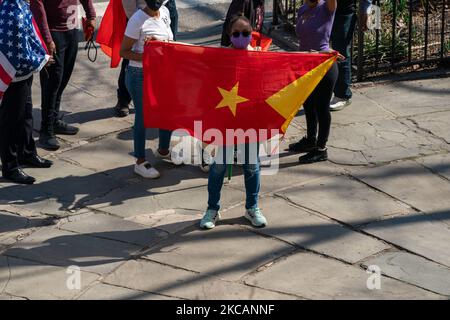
pixel 244 34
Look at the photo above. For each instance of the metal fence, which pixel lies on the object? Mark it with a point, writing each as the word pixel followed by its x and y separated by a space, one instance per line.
pixel 403 34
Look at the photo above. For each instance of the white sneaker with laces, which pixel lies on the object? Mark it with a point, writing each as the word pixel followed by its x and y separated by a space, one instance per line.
pixel 337 104
pixel 146 170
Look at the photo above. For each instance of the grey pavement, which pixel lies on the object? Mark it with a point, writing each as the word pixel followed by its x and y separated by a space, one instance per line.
pixel 382 200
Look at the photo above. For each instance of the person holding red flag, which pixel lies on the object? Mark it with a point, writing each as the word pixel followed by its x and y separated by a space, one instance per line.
pixel 314 24
pixel 240 32
pixel 153 22
pixel 122 107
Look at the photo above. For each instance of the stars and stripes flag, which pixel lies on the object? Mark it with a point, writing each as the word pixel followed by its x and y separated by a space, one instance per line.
pixel 22 49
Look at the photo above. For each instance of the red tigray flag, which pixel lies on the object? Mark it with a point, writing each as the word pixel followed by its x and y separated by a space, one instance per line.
pixel 226 88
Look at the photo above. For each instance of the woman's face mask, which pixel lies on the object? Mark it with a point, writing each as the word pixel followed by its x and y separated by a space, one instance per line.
pixel 241 40
pixel 155 5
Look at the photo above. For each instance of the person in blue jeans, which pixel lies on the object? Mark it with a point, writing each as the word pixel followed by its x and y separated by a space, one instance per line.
pixel 151 22
pixel 341 38
pixel 122 108
pixel 240 32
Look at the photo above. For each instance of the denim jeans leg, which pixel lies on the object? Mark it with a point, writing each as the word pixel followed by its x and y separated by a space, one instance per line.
pixel 252 185
pixel 164 139
pixel 252 175
pixel 134 81
pixel 341 37
pixel 215 183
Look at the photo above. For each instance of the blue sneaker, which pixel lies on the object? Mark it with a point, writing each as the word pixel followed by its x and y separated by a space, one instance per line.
pixel 256 217
pixel 209 220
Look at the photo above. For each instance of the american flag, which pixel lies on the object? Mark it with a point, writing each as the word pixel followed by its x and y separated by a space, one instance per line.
pixel 22 50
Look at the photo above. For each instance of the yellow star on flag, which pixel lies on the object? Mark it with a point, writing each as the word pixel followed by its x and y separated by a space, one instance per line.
pixel 230 99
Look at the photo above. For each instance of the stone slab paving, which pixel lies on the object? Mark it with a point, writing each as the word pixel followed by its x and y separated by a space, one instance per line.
pixel 14 228
pixel 415 270
pixel 360 110
pixel 382 199
pixel 275 177
pixel 21 278
pixel 344 199
pixel 113 228
pixel 411 183
pixel 381 141
pixel 406 98
pixel 439 164
pixel 427 235
pixel 137 200
pixel 170 220
pixel 62 248
pixel 229 252
pixel 158 278
pixel 62 188
pixel 436 123
pixel 309 231
pixel 102 291
pixel 315 277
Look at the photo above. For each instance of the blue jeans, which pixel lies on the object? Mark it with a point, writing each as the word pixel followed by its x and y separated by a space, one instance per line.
pixel 252 179
pixel 134 81
pixel 341 39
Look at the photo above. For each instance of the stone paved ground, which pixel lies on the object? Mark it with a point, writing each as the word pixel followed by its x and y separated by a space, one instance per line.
pixel 383 199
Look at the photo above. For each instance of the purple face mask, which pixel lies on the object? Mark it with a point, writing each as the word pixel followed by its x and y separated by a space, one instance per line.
pixel 241 42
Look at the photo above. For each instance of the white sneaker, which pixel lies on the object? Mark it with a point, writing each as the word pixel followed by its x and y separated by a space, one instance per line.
pixel 162 156
pixel 337 104
pixel 146 170
pixel 175 158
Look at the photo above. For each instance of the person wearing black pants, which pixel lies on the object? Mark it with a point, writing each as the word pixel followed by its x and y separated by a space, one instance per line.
pixel 314 24
pixel 17 146
pixel 56 22
pixel 317 112
pixel 54 80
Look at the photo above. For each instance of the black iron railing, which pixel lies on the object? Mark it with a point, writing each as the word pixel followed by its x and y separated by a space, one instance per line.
pixel 408 33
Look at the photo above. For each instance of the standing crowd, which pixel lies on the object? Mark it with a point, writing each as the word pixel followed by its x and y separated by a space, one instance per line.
pixel 322 26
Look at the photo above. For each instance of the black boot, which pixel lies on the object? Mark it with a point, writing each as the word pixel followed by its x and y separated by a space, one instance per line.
pixel 62 127
pixel 48 142
pixel 18 176
pixel 35 162
pixel 314 156
pixel 121 109
pixel 304 145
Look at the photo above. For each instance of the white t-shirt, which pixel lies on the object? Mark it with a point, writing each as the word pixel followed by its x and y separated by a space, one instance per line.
pixel 142 25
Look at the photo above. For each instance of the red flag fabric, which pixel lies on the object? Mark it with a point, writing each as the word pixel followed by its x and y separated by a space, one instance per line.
pixel 260 40
pixel 226 88
pixel 111 31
